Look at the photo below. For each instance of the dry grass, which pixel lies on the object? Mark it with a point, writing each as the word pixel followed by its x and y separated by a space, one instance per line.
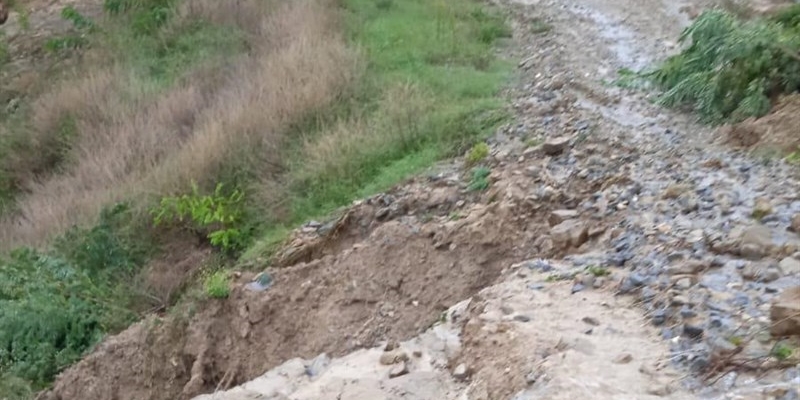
pixel 134 143
pixel 342 148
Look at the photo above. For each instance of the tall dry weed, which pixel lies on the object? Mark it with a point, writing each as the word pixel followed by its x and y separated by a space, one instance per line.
pixel 135 145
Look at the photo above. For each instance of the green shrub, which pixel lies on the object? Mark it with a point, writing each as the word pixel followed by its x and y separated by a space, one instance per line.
pixel 218 216
pixel 54 306
pixel 480 179
pixel 732 69
pixel 477 153
pixel 782 351
pixel 217 285
pixel 147 16
pixel 83 26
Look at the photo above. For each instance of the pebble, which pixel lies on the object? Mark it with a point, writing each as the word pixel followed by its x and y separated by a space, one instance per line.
pixel 623 358
pixel 578 287
pixel 460 372
pixel 591 321
pixel 693 331
pixel 393 357
pixel 398 370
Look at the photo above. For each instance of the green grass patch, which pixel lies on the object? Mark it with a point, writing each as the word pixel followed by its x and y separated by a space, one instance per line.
pixel 480 179
pixel 429 91
pixel 217 285
pixel 56 304
pixel 731 69
pixel 477 153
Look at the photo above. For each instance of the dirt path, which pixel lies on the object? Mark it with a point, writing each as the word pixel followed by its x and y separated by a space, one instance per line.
pixel 617 264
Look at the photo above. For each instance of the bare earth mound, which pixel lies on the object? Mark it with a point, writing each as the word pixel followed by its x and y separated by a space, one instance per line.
pixel 376 280
pixel 776 131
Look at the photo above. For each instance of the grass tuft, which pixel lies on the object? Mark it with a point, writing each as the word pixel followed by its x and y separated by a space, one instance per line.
pixel 731 69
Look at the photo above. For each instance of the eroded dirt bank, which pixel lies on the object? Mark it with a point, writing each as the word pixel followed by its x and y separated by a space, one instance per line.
pixel 589 180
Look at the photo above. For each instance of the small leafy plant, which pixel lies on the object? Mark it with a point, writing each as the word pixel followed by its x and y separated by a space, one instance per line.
pixel 82 24
pixel 218 216
pixel 480 179
pixel 782 351
pixel 217 285
pixel 477 153
pixel 598 271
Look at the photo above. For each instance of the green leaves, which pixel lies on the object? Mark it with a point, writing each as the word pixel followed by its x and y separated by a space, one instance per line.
pixel 219 215
pixel 56 305
pixel 731 69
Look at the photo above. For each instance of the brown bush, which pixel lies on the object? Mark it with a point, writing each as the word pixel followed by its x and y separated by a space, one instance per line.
pixel 133 143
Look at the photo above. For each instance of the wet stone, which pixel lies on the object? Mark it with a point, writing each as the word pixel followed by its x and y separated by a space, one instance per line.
pixel 692 331
pixel 659 317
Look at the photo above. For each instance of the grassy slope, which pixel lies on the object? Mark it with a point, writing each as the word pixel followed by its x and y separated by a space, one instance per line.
pixel 425 88
pixel 428 91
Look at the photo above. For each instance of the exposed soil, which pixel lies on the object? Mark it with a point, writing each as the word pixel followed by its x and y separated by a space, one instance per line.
pixel 378 280
pixel 775 132
pixel 639 192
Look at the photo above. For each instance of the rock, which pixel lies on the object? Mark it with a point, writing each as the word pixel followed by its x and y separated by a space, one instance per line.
pixel 683 283
pixel 555 146
pixel 393 357
pixel 578 287
pixel 660 390
pixel 762 208
pixel 755 242
pixel 693 331
pixel 688 267
pixel 591 321
pixel 751 251
pixel 789 266
pixel 318 365
pixel 795 224
pixel 659 317
pixel 522 318
pixel 785 313
pixel 586 280
pixel 569 233
pixel 559 216
pixel 688 202
pixel 391 345
pixel 721 346
pixel 674 190
pixel 623 358
pixel 460 372
pixel 398 370
pixel 761 272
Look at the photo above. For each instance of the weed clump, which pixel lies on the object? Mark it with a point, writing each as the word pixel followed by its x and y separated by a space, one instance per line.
pixel 480 179
pixel 732 69
pixel 217 286
pixel 477 153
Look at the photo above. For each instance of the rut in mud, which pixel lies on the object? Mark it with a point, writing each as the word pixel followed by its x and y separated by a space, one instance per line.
pixel 635 225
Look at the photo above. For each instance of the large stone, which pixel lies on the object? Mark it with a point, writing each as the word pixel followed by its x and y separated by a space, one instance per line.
pixel 785 313
pixel 393 357
pixel 569 233
pixel 756 242
pixel 555 146
pixel 795 225
pixel 762 208
pixel 761 272
pixel 559 216
pixel 790 266
pixel 674 190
